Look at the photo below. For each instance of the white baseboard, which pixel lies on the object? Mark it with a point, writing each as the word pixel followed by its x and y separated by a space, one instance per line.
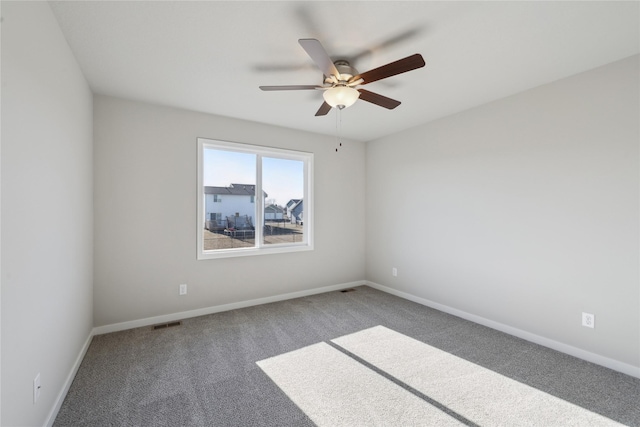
pixel 218 308
pixel 67 383
pixel 607 362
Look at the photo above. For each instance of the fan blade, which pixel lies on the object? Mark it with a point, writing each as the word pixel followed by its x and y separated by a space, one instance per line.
pixel 377 99
pixel 398 67
pixel 385 44
pixel 320 56
pixel 323 110
pixel 292 87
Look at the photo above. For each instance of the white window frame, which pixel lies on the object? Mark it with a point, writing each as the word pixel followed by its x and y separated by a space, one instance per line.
pixel 260 248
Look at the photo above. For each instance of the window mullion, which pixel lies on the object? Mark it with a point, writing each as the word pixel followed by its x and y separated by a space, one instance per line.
pixel 259 203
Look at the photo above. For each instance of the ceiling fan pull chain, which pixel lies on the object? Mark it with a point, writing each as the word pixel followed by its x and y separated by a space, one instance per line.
pixel 337 129
pixel 340 134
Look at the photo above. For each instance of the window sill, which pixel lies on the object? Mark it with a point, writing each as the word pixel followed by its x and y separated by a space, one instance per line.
pixel 239 252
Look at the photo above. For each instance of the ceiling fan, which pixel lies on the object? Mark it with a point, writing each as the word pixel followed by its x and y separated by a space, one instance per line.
pixel 341 79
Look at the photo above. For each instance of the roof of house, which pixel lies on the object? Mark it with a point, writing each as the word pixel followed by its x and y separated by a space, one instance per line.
pixel 274 208
pixel 293 202
pixel 298 203
pixel 234 189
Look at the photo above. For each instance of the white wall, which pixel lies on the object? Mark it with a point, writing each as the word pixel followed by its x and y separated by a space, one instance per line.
pixel 46 211
pixel 145 215
pixel 523 211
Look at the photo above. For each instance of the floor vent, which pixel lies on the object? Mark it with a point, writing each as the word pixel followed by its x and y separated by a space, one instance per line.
pixel 348 290
pixel 166 325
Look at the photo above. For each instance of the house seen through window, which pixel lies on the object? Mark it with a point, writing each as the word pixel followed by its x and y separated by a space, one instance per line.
pixel 252 199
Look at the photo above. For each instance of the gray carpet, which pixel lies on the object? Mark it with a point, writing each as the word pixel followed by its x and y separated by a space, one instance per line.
pixel 204 372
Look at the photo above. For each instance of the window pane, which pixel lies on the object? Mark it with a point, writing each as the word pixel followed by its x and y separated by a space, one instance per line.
pixel 253 200
pixel 283 183
pixel 229 180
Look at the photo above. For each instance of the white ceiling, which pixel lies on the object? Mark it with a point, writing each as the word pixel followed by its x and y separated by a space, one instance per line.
pixel 211 56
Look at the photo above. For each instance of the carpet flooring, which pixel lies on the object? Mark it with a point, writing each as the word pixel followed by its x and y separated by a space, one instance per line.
pixel 223 370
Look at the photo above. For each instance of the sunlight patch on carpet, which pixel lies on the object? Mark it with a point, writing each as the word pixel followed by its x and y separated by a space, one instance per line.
pixel 479 394
pixel 335 390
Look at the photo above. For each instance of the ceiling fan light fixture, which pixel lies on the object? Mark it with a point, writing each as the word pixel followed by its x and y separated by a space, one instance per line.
pixel 341 96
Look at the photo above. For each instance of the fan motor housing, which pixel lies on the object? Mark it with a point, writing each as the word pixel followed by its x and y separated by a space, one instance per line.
pixel 345 69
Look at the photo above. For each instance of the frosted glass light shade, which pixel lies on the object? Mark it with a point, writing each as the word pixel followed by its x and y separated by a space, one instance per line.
pixel 341 96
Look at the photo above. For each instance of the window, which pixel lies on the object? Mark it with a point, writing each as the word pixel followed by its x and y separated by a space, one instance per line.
pixel 267 205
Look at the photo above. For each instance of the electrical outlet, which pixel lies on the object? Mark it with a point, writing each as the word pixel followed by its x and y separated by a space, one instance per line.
pixel 588 320
pixel 394 272
pixel 36 388
pixel 183 289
